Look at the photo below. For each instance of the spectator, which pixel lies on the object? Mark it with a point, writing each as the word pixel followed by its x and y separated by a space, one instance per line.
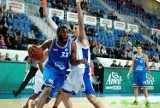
pixel 111 52
pixel 5 25
pixel 16 57
pixel 120 64
pixel 16 43
pixel 127 64
pixel 131 32
pixel 8 43
pixel 56 19
pixel 104 52
pixel 116 53
pixel 156 58
pixel 10 12
pixel 17 32
pixel 153 66
pixel 24 43
pixel 122 54
pixel 88 30
pixel 113 15
pixel 2 42
pixel 9 31
pixel 7 57
pixel 31 35
pixel 114 64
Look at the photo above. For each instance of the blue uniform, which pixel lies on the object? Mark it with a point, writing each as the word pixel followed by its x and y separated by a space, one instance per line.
pixel 56 65
pixel 139 71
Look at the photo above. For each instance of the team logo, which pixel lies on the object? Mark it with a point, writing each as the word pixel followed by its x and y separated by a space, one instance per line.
pixel 114 81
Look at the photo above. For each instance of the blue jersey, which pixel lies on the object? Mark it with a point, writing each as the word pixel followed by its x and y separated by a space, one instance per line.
pixel 58 57
pixel 139 64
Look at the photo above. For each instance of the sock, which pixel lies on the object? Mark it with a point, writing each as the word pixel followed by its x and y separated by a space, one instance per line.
pixel 135 98
pixel 146 99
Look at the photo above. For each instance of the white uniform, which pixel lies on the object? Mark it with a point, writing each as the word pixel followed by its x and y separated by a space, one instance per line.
pixel 79 79
pixel 38 82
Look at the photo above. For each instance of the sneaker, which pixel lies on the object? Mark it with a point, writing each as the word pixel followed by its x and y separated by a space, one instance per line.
pixel 147 104
pixel 15 93
pixel 135 103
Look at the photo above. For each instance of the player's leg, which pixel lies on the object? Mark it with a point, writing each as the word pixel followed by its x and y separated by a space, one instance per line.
pixel 143 85
pixel 135 87
pixel 31 98
pixel 66 100
pixel 58 98
pixel 90 92
pixel 29 76
pixel 44 96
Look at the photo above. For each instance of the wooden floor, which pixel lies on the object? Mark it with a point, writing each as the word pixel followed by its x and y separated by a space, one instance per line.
pixel 82 102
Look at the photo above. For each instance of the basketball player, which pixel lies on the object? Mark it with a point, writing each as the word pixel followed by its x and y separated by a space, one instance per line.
pixel 79 78
pixel 30 74
pixel 139 65
pixel 75 35
pixel 38 81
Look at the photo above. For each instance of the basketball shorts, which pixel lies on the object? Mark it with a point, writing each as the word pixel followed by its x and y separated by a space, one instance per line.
pixel 139 79
pixel 51 78
pixel 78 81
pixel 38 82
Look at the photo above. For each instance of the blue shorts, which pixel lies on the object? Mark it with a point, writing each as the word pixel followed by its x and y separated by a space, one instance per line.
pixel 139 79
pixel 51 78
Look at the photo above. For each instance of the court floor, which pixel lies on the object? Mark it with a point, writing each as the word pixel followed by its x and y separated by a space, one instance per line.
pixel 109 101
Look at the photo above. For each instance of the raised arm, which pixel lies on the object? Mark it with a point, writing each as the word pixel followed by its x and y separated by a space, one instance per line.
pixel 49 19
pixel 82 34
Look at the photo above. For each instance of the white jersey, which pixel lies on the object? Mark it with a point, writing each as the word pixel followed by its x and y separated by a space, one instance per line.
pixel 81 53
pixel 79 78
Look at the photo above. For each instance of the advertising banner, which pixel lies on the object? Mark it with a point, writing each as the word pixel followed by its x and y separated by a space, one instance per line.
pixel 116 81
pixel 59 13
pixel 16 6
pixel 119 25
pixel 90 20
pixel 153 30
pixel 73 17
pixel 12 75
pixel 104 22
pixel 133 27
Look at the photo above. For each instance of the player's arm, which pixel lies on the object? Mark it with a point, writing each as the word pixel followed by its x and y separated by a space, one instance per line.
pixel 82 34
pixel 73 59
pixel 147 64
pixel 50 21
pixel 131 68
pixel 44 46
pixel 26 66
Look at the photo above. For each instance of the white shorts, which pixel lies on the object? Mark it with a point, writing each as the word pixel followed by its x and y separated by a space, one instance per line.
pixel 78 82
pixel 38 82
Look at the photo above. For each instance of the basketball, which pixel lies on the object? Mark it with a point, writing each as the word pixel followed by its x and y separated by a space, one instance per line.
pixel 38 55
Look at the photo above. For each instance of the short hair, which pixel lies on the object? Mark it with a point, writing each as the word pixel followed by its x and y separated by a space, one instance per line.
pixel 139 45
pixel 76 24
pixel 61 28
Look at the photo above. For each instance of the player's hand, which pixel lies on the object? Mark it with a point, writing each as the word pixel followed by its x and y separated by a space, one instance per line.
pixel 31 49
pixel 128 75
pixel 83 61
pixel 78 1
pixel 150 76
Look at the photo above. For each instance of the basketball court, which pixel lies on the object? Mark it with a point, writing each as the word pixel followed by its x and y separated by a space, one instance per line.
pixel 79 101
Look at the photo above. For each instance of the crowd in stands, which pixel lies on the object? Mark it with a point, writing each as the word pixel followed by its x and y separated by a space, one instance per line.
pixel 13 37
pixel 129 7
pixel 16 30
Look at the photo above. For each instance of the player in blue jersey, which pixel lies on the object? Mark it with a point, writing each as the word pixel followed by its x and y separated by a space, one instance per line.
pixel 56 65
pixel 139 65
pixel 79 78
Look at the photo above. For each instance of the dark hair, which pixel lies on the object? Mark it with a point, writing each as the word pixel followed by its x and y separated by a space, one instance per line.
pixel 76 24
pixel 61 28
pixel 138 45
